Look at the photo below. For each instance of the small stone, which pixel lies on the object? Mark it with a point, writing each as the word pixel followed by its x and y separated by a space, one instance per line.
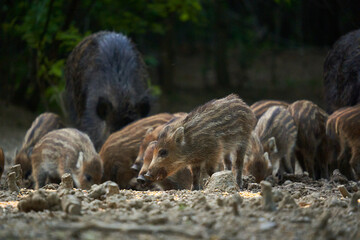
pixel 287 182
pixel 265 226
pixel 277 195
pixel 287 201
pixel 11 181
pixel 112 189
pixel 137 204
pixel 71 204
pixel 67 181
pixel 97 191
pixel 266 192
pixel 354 205
pixel 18 173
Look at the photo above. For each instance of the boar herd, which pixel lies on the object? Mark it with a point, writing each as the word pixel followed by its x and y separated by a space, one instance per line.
pixel 110 138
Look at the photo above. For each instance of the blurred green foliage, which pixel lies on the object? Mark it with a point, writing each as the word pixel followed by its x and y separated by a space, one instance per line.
pixel 36 36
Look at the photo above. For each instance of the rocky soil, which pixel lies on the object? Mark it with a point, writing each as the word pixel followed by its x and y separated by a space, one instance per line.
pixel 297 208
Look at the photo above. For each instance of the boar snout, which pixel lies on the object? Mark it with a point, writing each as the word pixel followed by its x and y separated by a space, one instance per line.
pixel 135 167
pixel 141 179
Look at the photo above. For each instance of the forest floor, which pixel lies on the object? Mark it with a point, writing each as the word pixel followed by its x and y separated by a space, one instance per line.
pixel 303 208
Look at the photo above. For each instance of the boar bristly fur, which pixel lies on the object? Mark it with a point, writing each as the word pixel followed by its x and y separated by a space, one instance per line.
pixel 43 124
pixel 66 151
pixel 202 139
pixel 121 148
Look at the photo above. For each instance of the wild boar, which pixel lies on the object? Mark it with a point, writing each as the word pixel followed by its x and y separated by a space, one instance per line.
pixel 202 139
pixel 151 135
pixel 257 162
pixel 180 180
pixel 260 107
pixel 120 150
pixel 62 151
pixel 343 125
pixel 310 121
pixel 43 124
pixel 342 72
pixel 277 132
pixel 106 85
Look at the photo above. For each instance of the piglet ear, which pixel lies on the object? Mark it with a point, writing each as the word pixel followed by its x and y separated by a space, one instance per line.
pixel 179 135
pixel 272 145
pixel 80 160
pixel 267 159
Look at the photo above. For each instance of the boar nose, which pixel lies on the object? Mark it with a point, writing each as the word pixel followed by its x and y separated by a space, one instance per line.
pixel 135 168
pixel 141 179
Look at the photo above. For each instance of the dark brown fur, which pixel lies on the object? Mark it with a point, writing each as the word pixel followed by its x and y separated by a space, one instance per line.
pixel 106 85
pixel 277 132
pixel 343 125
pixel 311 123
pixel 257 162
pixel 342 72
pixel 2 162
pixel 43 124
pixel 120 150
pixel 260 107
pixel 66 151
pixel 202 139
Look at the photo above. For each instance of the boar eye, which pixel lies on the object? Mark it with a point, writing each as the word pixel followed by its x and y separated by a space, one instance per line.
pixel 88 177
pixel 163 153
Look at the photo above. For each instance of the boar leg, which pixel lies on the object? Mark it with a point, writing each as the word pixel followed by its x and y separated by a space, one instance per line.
pixel 40 178
pixel 237 165
pixel 227 161
pixel 344 165
pixel 355 162
pixel 195 172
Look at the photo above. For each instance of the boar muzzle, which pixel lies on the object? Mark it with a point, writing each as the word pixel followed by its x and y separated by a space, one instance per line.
pixel 135 167
pixel 141 179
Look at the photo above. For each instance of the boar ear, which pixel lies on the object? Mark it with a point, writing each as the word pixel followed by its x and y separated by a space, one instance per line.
pixel 179 135
pixel 164 132
pixel 272 145
pixel 103 108
pixel 149 130
pixel 267 159
pixel 80 160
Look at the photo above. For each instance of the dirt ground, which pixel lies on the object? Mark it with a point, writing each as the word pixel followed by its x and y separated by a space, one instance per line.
pixel 302 208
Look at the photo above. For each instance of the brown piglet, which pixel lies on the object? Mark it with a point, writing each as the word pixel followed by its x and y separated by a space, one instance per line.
pixel 310 120
pixel 202 139
pixel 343 125
pixel 121 148
pixel 43 124
pixel 152 135
pixel 62 151
pixel 178 181
pixel 277 132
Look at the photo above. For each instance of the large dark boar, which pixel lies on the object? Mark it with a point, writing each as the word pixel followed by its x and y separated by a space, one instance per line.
pixel 344 125
pixel 342 72
pixel 277 132
pixel 2 162
pixel 202 139
pixel 106 85
pixel 120 149
pixel 260 107
pixel 43 124
pixel 180 180
pixel 151 135
pixel 62 151
pixel 311 124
